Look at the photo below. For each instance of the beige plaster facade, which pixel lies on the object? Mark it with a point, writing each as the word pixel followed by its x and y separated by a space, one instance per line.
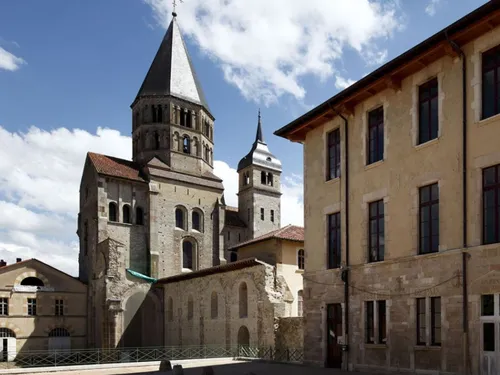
pixel 41 308
pixel 403 275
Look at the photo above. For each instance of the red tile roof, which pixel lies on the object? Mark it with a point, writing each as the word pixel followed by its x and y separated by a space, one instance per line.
pixel 111 166
pixel 238 265
pixel 290 233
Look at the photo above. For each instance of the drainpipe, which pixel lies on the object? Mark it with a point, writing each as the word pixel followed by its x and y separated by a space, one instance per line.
pixel 345 272
pixel 465 296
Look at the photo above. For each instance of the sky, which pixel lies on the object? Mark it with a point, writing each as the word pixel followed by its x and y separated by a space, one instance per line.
pixel 69 71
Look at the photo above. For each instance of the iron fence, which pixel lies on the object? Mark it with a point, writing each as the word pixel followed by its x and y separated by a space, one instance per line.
pixel 39 358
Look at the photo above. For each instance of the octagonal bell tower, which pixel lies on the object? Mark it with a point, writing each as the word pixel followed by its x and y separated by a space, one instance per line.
pixel 171 119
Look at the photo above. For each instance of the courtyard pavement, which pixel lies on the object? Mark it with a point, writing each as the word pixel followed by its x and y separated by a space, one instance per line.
pixel 220 367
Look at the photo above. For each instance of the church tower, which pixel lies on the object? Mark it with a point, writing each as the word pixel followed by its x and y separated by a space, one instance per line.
pixel 259 193
pixel 171 119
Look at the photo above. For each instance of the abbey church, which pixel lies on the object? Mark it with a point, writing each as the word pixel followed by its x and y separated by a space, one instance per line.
pixel 166 261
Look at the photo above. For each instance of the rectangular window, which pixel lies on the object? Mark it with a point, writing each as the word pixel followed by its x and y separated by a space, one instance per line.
pixel 487 305
pixel 4 306
pixel 261 214
pixel 428 111
pixel 376 238
pixel 429 219
pixel 333 170
pixel 491 204
pixel 489 337
pixel 228 235
pixel 272 216
pixel 375 135
pixel 382 326
pixel 31 306
pixel 436 321
pixel 491 82
pixel 334 240
pixel 421 335
pixel 370 323
pixel 59 307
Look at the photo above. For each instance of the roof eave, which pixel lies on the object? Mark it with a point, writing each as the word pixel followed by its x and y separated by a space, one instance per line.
pixel 475 18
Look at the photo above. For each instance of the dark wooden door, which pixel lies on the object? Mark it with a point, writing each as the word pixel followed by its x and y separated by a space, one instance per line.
pixel 333 332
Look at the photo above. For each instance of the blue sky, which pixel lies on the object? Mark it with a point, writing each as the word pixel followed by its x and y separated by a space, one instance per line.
pixel 78 65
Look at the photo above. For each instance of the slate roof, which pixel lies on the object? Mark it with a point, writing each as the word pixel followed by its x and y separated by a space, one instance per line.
pixel 259 153
pixel 232 217
pixel 290 233
pixel 115 167
pixel 238 265
pixel 172 72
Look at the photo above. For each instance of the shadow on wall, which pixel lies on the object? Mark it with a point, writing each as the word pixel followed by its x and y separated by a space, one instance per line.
pixel 143 320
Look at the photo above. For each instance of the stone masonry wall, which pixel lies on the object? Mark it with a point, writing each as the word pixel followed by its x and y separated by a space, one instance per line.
pixel 265 303
pixel 290 333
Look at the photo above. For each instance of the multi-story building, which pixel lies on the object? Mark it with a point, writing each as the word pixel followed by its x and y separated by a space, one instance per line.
pixel 41 308
pixel 402 210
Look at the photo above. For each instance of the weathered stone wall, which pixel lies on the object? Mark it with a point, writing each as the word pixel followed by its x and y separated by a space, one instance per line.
pixel 403 275
pixel 289 333
pixel 32 332
pixel 265 303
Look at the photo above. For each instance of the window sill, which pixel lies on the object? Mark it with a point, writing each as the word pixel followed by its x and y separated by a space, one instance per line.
pixel 426 348
pixel 427 144
pixel 375 346
pixel 374 165
pixel 488 120
pixel 332 180
pixel 299 271
pixel 186 270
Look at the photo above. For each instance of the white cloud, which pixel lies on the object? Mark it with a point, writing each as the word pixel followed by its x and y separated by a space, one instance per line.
pixel 265 47
pixel 342 83
pixel 431 8
pixel 40 175
pixel 10 62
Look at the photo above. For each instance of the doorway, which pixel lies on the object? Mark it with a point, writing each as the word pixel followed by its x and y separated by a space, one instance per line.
pixel 8 342
pixel 490 334
pixel 334 335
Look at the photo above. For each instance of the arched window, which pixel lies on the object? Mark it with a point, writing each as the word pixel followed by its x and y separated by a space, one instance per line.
pixel 246 178
pixel 85 237
pixel 153 113
pixel 186 145
pixel 159 116
pixel 187 254
pixel 300 259
pixel 170 310
pixel 59 332
pixel 139 216
pixel 197 221
pixel 136 119
pixel 180 221
pixel 270 179
pixel 243 296
pixel 157 140
pixel 126 214
pixel 214 305
pixel 233 257
pixel 5 332
pixel 189 119
pixel 112 211
pixel 207 154
pixel 263 178
pixel 300 303
pixel 32 281
pixel 190 308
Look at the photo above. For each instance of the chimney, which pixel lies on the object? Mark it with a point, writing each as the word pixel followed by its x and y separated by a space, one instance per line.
pixel 3 263
pixel 18 260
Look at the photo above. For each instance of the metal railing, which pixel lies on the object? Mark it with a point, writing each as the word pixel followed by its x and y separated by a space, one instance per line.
pixel 45 358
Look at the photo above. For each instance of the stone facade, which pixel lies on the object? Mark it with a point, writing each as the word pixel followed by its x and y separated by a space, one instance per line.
pixel 163 214
pixel 404 277
pixel 41 308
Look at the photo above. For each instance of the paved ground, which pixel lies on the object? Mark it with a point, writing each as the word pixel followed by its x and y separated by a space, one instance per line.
pixel 219 367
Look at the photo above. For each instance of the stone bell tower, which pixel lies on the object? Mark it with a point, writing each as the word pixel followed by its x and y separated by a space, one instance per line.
pixel 171 119
pixel 259 193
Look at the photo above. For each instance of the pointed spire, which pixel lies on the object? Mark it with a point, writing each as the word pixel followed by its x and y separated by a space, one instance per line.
pixel 259 137
pixel 171 72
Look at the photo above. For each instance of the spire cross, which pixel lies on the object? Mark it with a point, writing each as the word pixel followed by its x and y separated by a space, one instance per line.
pixel 174 5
